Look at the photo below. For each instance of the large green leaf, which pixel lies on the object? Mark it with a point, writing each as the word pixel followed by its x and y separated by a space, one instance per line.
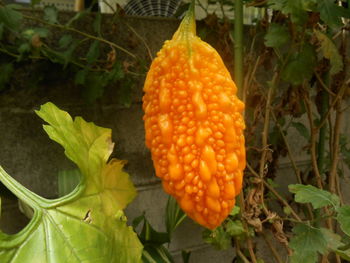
pixel 306 242
pixel 297 9
pixel 343 218
pixel 276 36
pixel 330 52
pixel 88 224
pixel 10 17
pixel 310 194
pixel 331 13
pixel 301 66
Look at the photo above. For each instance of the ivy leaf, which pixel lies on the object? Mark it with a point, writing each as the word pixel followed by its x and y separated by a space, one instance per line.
pixel 303 131
pixel 174 215
pixel 330 52
pixel 276 36
pixel 94 52
pixel 306 242
pixel 88 224
pixel 301 66
pixel 310 194
pixel 50 14
pixel 10 18
pixel 331 13
pixel 343 218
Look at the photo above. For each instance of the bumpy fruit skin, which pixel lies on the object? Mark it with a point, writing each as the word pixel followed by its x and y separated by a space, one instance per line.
pixel 194 126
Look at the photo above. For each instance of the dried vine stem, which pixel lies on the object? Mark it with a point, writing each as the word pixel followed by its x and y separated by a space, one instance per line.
pixel 272 248
pixel 313 141
pixel 71 29
pixel 279 197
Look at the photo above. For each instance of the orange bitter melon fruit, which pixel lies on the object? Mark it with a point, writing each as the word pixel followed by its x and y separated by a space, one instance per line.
pixel 194 126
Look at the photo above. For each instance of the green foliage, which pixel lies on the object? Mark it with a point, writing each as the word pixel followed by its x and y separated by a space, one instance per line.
pixel 276 36
pixel 301 66
pixel 307 241
pixel 218 238
pixel 331 13
pixel 88 224
pixel 154 241
pixel 303 131
pixel 330 52
pixel 27 39
pixel 343 218
pixel 174 215
pixel 10 18
pixel 311 194
pixel 6 70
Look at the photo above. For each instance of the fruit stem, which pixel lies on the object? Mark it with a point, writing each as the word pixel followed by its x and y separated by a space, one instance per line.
pixel 187 26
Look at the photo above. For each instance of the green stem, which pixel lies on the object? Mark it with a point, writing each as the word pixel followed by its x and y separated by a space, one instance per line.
pixel 238 47
pixel 27 196
pixel 187 26
pixel 323 129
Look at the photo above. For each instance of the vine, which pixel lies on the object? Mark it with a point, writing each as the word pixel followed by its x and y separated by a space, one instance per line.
pixel 27 37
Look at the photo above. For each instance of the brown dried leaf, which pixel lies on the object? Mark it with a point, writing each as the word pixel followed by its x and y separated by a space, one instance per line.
pixel 256 223
pixel 111 58
pixel 278 232
pixel 36 41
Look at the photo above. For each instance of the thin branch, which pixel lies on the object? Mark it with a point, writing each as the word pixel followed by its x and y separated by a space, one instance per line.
pixel 281 199
pixel 67 28
pixel 337 97
pixel 335 160
pixel 313 142
pixel 272 248
pixel 142 39
pixel 240 254
pixel 289 151
pixel 323 85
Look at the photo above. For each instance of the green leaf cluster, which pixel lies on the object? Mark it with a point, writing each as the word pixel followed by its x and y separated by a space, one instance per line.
pixel 88 224
pixel 25 41
pixel 308 240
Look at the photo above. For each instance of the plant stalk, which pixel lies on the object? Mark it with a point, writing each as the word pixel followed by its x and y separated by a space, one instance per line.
pixel 323 130
pixel 238 46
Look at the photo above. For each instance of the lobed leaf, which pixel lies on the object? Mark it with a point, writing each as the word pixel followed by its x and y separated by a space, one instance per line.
pixel 86 225
pixel 301 66
pixel 331 13
pixel 306 242
pixel 310 194
pixel 330 52
pixel 343 218
pixel 276 36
